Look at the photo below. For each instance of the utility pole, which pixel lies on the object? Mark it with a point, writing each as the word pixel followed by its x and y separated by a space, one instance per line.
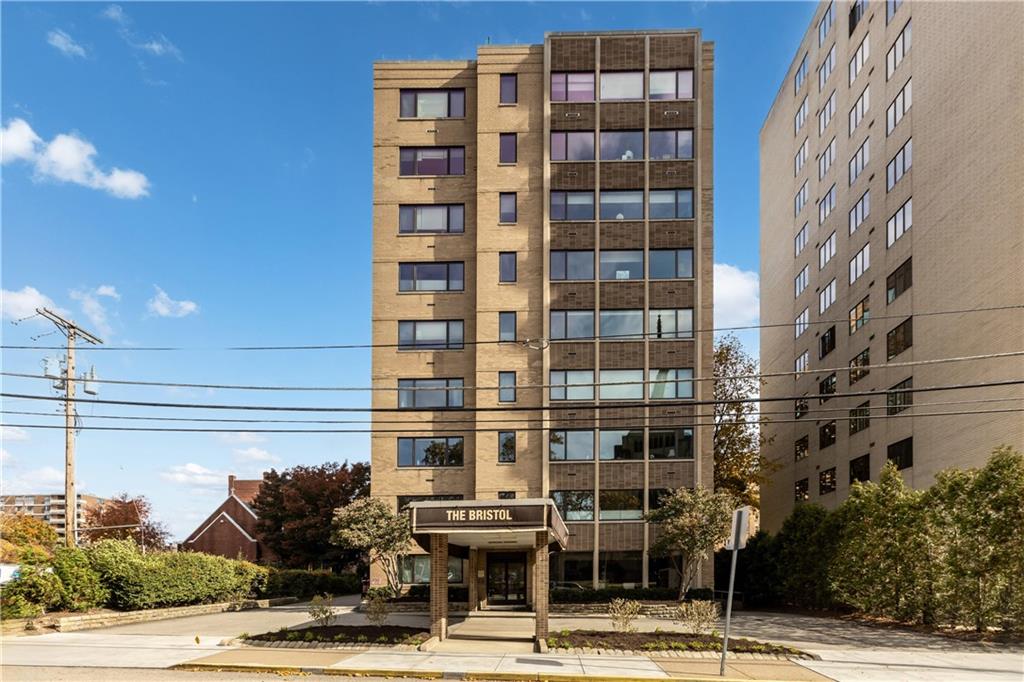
pixel 71 331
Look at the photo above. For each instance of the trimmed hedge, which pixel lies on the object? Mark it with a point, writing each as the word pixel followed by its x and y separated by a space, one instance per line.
pixel 299 583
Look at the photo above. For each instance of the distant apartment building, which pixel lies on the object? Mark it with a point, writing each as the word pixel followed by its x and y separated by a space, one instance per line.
pixel 49 508
pixel 892 188
pixel 542 258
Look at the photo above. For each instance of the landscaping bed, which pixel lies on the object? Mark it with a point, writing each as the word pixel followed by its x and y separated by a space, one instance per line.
pixel 661 641
pixel 346 634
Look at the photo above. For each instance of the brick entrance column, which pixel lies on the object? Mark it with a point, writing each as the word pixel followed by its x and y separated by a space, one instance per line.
pixel 439 586
pixel 474 602
pixel 540 585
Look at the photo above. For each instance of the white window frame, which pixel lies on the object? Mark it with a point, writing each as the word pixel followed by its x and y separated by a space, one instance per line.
pixel 900 48
pixel 827 203
pixel 860 109
pixel 860 57
pixel 826 68
pixel 827 251
pixel 801 281
pixel 827 113
pixel 860 211
pixel 900 221
pixel 801 156
pixel 860 263
pixel 800 364
pixel 825 24
pixel 801 74
pixel 827 296
pixel 860 160
pixel 801 198
pixel 826 159
pixel 802 322
pixel 900 106
pixel 900 164
pixel 800 241
pixel 801 117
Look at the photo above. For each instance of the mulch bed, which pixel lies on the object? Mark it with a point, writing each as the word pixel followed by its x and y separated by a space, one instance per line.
pixel 661 641
pixel 348 634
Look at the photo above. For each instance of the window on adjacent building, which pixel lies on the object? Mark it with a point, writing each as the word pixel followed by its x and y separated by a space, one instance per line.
pixel 622 325
pixel 859 315
pixel 433 103
pixel 827 204
pixel 801 490
pixel 900 48
pixel 860 263
pixel 572 324
pixel 899 281
pixel 574 505
pixel 826 113
pixel 507 144
pixel 827 387
pixel 800 364
pixel 827 251
pixel 430 335
pixel 405 500
pixel 801 117
pixel 801 74
pixel 801 156
pixel 860 160
pixel 621 505
pixel 827 342
pixel 508 89
pixel 507 209
pixel 431 219
pixel 901 453
pixel 802 322
pixel 900 106
pixel 576 445
pixel 860 417
pixel 672 323
pixel 826 435
pixel 826 68
pixel 672 84
pixel 801 199
pixel 506 494
pixel 671 264
pixel 899 338
pixel 801 406
pixel 670 384
pixel 860 57
pixel 860 469
pixel 825 23
pixel 430 393
pixel 571 384
pixel 622 205
pixel 431 276
pixel 430 452
pixel 622 145
pixel 432 161
pixel 860 366
pixel 670 444
pixel 826 159
pixel 572 265
pixel 507 326
pixel 801 448
pixel 507 266
pixel 622 384
pixel 621 443
pixel 899 397
pixel 899 165
pixel 900 222
pixel 506 447
pixel 622 265
pixel 891 6
pixel 671 144
pixel 572 87
pixel 827 481
pixel 572 205
pixel 800 240
pixel 622 85
pixel 860 109
pixel 572 146
pixel 857 11
pixel 827 296
pixel 860 211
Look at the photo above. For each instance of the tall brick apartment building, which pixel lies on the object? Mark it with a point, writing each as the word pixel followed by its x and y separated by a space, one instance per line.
pixel 892 163
pixel 542 259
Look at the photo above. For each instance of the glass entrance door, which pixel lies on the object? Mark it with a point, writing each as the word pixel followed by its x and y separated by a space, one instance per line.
pixel 506 578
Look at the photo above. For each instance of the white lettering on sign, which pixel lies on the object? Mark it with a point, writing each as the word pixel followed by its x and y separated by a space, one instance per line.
pixel 479 514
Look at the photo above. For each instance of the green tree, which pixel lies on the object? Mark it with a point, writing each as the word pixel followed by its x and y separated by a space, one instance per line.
pixel 368 525
pixel 19 531
pixel 125 518
pixel 691 522
pixel 804 549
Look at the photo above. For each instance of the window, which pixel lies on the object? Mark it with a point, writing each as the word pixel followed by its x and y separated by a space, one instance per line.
pixel 430 452
pixel 827 296
pixel 621 444
pixel 671 144
pixel 826 68
pixel 899 338
pixel 827 343
pixel 899 397
pixel 900 105
pixel 827 158
pixel 507 211
pixel 860 469
pixel 622 205
pixel 800 241
pixel 671 444
pixel 826 387
pixel 800 364
pixel 431 219
pixel 801 117
pixel 801 281
pixel 572 265
pixel 801 198
pixel 860 211
pixel 899 281
pixel 622 85
pixel 506 494
pixel 900 48
pixel 860 57
pixel 620 145
pixel 899 165
pixel 802 322
pixel 507 266
pixel 860 160
pixel 621 325
pixel 430 335
pixel 825 24
pixel 857 11
pixel 860 417
pixel 900 222
pixel 405 500
pixel 859 315
pixel 827 251
pixel 826 113
pixel 571 445
pixel 572 205
pixel 801 156
pixel 433 103
pixel 507 144
pixel 671 384
pixel 430 277
pixel 860 109
pixel 671 264
pixel 860 263
pixel 827 203
pixel 801 448
pixel 574 505
pixel 620 568
pixel 432 161
pixel 415 569
pixel 572 87
pixel 671 84
pixel 826 435
pixel 622 265
pixel 574 384
pixel 506 447
pixel 507 326
pixel 508 89
pixel 890 8
pixel 860 366
pixel 429 393
pixel 827 481
pixel 622 384
pixel 801 491
pixel 801 406
pixel 675 323
pixel 801 74
pixel 621 505
pixel 671 204
pixel 902 453
pixel 572 146
pixel 572 324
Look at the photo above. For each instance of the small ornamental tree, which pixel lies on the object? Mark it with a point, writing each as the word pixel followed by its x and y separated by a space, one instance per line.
pixel 691 523
pixel 125 518
pixel 368 525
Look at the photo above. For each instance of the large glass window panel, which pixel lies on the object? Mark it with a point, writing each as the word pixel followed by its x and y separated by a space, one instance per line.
pixel 572 205
pixel 572 87
pixel 622 85
pixel 571 445
pixel 671 144
pixel 506 447
pixel 507 148
pixel 622 384
pixel 670 324
pixel 572 324
pixel 620 325
pixel 622 145
pixel 671 444
pixel 671 384
pixel 433 103
pixel 622 205
pixel 506 387
pixel 429 393
pixel 430 335
pixel 622 265
pixel 431 219
pixel 672 84
pixel 507 266
pixel 508 89
pixel 671 264
pixel 670 204
pixel 507 326
pixel 572 146
pixel 572 265
pixel 572 384
pixel 620 568
pixel 621 444
pixel 430 277
pixel 430 452
pixel 574 505
pixel 622 505
pixel 507 212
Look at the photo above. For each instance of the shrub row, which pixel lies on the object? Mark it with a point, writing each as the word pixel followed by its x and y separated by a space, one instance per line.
pixel 298 583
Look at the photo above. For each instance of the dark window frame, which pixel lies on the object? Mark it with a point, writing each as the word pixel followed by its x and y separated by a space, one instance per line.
pixel 676 144
pixel 677 267
pixel 503 259
pixel 860 417
pixel 415 92
pixel 678 204
pixel 608 156
pixel 859 361
pixel 899 339
pixel 860 469
pixel 506 452
pixel 503 217
pixel 555 268
pixel 506 392
pixel 677 95
pixel 503 317
pixel 559 205
pixel 411 211
pixel 583 500
pixel 414 391
pixel 827 386
pixel 630 442
pixel 564 325
pixel 448 343
pixel 450 442
pixel 901 453
pixel 456 164
pixel 827 434
pixel 627 502
pixel 564 155
pixel 827 342
pixel 413 267
pixel 682 444
pixel 900 397
pixel 565 77
pixel 901 279
pixel 801 448
pixel 502 80
pixel 503 151
pixel 564 434
pixel 802 490
pixel 827 481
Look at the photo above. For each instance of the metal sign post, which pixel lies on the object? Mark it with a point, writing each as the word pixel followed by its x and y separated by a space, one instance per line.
pixel 737 541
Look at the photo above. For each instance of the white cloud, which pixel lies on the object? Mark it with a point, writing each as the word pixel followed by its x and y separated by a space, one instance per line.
pixel 68 158
pixel 194 474
pixel 108 290
pixel 255 454
pixel 737 297
pixel 94 309
pixel 9 433
pixel 163 305
pixel 42 480
pixel 65 43
pixel 115 13
pixel 242 437
pixel 5 456
pixel 158 45
pixel 23 303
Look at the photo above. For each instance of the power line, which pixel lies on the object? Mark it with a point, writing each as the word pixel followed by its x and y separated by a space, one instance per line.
pixel 526 342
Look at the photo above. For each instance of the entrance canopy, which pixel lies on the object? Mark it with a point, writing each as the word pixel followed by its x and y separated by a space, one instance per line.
pixel 488 524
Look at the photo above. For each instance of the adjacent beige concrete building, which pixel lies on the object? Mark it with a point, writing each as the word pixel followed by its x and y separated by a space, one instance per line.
pixel 50 508
pixel 542 259
pixel 892 188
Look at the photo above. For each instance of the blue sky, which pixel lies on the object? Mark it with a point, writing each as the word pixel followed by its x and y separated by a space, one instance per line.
pixel 199 175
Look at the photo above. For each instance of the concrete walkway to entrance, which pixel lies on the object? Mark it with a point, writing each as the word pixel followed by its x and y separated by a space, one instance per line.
pixel 490 632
